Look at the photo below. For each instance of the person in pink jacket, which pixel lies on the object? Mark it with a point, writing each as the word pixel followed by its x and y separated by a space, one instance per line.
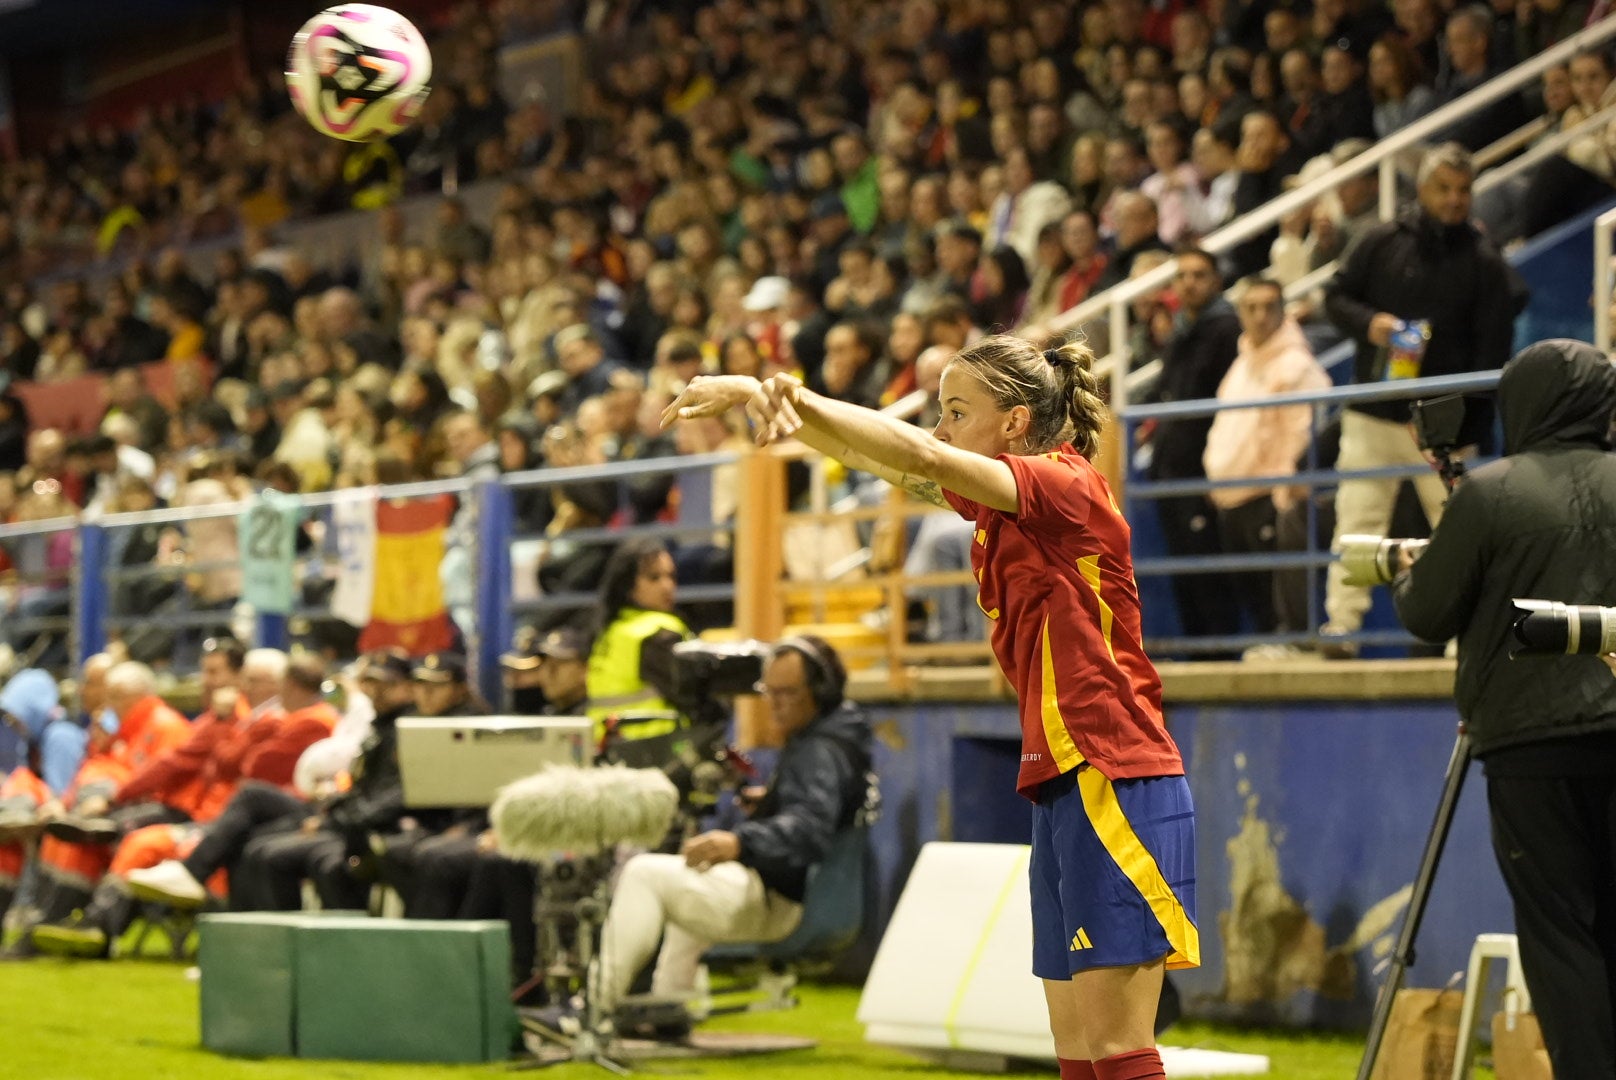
pixel 1274 358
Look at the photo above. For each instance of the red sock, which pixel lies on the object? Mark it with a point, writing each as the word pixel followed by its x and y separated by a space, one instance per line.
pixel 1072 1069
pixel 1143 1064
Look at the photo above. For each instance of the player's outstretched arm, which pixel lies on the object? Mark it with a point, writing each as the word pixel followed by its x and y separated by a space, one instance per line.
pixel 870 440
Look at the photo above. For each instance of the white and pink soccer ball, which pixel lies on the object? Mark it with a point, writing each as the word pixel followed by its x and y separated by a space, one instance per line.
pixel 359 72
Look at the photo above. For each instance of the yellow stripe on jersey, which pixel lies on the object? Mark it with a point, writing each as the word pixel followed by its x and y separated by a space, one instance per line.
pixel 1061 747
pixel 1089 567
pixel 1139 866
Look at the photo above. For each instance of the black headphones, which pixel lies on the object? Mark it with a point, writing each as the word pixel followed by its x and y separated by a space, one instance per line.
pixel 827 679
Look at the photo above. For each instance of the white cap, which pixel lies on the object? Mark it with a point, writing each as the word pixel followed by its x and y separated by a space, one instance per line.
pixel 767 294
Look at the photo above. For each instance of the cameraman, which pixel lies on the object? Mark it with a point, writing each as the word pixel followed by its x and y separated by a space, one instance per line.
pixel 748 885
pixel 1541 523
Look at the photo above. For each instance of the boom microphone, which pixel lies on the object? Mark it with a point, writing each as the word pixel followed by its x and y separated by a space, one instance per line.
pixel 580 811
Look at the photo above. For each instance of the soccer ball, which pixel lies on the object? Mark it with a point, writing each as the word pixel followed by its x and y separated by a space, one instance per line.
pixel 359 72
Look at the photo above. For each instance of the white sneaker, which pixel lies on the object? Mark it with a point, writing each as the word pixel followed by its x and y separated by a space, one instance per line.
pixel 168 882
pixel 1277 652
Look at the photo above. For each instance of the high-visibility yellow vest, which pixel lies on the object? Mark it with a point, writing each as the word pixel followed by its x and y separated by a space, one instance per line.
pixel 615 685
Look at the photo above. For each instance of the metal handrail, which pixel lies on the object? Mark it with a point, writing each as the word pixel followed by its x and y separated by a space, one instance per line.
pixel 1115 301
pixel 1394 390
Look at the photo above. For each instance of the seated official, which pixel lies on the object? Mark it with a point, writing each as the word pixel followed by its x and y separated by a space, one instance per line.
pixel 748 885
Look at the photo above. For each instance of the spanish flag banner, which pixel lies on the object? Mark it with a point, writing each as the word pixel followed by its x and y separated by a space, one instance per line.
pixel 407 608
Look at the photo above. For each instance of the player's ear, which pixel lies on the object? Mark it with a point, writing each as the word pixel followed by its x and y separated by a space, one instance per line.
pixel 1017 422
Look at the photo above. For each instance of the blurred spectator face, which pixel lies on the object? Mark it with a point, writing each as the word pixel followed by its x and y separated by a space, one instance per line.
pixel 1467 45
pixel 1096 27
pixel 1590 77
pixel 688 310
pixel 929 369
pixel 1138 103
pixel 1002 96
pixel 907 339
pixel 1338 71
pixel 1446 196
pixel 579 357
pixel 1005 133
pixel 895 189
pixel 216 674
pixel 741 357
pixel 1017 172
pixel 1211 155
pixel 1001 50
pixel 1557 93
pixel 957 255
pixel 1416 19
pixel 1043 128
pixel 1261 143
pixel 1088 161
pixel 1164 147
pixel 1043 82
pixel 1297 75
pixel 1118 65
pixel 850 155
pixel 845 359
pixel 464 436
pixel 46 451
pixel 437 698
pixel 1136 220
pixel 1282 30
pixel 1079 237
pixel 990 184
pixel 125 388
pixel 818 170
pixel 1358 194
pixel 1261 311
pixel 1264 80
pixel 1123 166
pixel 1196 282
pixel 1191 35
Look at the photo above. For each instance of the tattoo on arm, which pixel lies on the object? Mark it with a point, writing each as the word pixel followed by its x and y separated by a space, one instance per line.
pixel 921 488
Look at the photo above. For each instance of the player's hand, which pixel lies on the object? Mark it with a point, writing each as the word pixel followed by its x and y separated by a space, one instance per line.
pixel 1382 327
pixel 311 824
pixel 487 843
pixel 1610 662
pixel 711 848
pixel 710 395
pixel 773 409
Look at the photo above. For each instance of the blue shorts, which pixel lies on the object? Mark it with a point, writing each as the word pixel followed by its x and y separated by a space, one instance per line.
pixel 1112 874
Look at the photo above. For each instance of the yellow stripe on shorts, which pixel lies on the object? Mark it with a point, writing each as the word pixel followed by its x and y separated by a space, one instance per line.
pixel 1139 865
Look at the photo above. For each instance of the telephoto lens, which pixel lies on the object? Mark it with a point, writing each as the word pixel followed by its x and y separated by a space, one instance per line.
pixel 1550 628
pixel 1373 560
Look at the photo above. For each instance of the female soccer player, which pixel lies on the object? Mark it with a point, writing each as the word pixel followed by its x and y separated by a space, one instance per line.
pixel 1113 850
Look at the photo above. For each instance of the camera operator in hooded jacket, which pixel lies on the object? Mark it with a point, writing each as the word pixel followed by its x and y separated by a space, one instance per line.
pixel 1541 523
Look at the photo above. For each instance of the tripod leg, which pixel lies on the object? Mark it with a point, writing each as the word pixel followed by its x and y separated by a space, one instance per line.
pixel 1403 955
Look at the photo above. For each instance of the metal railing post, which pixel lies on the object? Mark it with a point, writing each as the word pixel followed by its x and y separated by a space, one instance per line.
pixel 89 600
pixel 495 508
pixel 1388 188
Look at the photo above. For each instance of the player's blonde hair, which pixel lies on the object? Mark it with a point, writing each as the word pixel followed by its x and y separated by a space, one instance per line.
pixel 1056 386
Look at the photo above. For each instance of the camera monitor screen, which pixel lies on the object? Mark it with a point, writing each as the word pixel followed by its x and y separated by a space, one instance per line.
pixel 464 760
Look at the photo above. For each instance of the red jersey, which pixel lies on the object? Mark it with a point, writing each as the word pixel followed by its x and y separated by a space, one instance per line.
pixel 1056 579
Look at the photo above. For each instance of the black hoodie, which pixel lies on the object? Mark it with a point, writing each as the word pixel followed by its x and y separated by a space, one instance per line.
pixel 818 788
pixel 1539 523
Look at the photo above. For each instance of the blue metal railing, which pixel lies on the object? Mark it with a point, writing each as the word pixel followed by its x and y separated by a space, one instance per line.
pixel 103 596
pixel 1138 491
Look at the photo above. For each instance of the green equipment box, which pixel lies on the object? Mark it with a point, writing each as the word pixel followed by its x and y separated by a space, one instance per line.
pixel 346 986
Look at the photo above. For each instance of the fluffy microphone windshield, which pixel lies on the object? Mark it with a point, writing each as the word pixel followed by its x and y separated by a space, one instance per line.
pixel 565 809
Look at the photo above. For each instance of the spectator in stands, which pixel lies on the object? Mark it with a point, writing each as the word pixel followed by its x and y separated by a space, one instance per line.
pixel 1266 156
pixel 1274 358
pixel 1138 232
pixel 1431 265
pixel 1175 186
pixel 1026 206
pixel 747 885
pixel 1205 341
pixel 582 356
pixel 1542 23
pixel 1469 35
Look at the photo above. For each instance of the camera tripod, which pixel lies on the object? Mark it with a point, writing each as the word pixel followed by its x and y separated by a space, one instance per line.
pixel 1403 955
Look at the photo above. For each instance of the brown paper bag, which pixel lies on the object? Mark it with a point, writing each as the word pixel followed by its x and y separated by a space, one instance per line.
pixel 1420 1036
pixel 1518 1052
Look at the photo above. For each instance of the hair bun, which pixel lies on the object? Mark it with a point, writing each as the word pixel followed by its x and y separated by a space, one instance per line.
pixel 1075 353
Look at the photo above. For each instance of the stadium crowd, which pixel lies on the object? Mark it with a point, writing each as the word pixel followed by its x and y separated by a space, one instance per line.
pixel 744 188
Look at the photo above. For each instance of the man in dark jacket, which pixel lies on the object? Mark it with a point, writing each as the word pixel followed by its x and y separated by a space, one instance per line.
pixel 1429 264
pixel 274 865
pixel 1541 523
pixel 1205 341
pixel 748 885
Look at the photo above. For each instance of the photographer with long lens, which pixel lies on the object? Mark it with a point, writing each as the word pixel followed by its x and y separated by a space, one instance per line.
pixel 1541 523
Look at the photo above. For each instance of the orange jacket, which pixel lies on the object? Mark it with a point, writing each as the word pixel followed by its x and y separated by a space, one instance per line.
pixel 273 759
pixel 149 730
pixel 180 778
